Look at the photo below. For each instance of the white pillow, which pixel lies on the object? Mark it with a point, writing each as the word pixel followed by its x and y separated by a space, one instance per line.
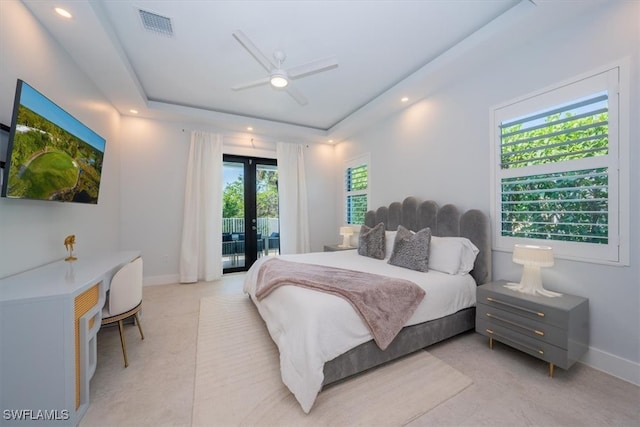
pixel 452 255
pixel 389 237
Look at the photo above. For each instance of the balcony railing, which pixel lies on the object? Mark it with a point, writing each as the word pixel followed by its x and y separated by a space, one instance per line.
pixel 265 226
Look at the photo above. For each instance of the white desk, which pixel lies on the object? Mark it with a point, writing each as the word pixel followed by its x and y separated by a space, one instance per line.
pixel 49 318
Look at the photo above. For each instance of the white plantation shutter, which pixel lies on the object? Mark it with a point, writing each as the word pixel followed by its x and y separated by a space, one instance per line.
pixel 557 169
pixel 356 186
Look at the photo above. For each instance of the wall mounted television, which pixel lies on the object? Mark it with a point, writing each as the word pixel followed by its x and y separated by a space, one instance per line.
pixel 50 154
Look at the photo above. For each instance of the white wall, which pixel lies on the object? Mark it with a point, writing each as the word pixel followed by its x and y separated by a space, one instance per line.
pixel 153 174
pixel 439 149
pixel 32 232
pixel 152 179
pixel 322 173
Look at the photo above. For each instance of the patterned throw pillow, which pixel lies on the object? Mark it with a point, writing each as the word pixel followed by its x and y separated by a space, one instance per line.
pixel 371 241
pixel 411 250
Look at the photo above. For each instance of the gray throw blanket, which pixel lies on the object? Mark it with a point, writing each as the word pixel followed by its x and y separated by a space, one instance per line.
pixel 385 304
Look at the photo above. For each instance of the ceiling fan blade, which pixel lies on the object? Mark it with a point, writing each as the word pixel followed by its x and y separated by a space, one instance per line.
pixel 260 82
pixel 253 50
pixel 313 67
pixel 296 94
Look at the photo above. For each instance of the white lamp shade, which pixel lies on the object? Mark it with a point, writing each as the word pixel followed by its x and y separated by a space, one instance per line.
pixel 541 256
pixel 346 231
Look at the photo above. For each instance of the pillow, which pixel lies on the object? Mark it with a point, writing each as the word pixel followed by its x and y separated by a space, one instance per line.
pixel 411 250
pixel 371 241
pixel 452 255
pixel 389 237
pixel 469 254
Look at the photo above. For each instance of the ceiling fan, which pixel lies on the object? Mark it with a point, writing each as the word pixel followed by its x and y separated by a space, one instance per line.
pixel 279 77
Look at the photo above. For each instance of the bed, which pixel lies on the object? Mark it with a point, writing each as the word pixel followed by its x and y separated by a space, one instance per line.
pixel 322 339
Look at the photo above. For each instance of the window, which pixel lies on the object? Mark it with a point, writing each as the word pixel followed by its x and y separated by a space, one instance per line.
pixel 557 170
pixel 356 185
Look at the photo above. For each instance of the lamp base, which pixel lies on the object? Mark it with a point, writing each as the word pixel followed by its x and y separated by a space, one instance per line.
pixel 531 283
pixel 531 291
pixel 346 241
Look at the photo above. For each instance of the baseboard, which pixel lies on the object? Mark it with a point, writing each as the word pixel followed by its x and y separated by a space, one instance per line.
pixel 613 365
pixel 166 279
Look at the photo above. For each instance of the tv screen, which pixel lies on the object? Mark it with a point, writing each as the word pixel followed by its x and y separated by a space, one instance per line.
pixel 50 154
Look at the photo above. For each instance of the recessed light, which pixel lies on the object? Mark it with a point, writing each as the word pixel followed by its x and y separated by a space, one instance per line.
pixel 64 13
pixel 331 141
pixel 132 111
pixel 404 99
pixel 249 128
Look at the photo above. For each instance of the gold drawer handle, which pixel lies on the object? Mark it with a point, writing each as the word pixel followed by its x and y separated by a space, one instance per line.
pixel 537 313
pixel 535 331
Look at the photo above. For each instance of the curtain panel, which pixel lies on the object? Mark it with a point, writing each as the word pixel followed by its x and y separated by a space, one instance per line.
pixel 201 247
pixel 292 193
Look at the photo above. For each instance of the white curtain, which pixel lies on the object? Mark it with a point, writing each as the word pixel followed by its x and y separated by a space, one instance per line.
pixel 292 192
pixel 201 250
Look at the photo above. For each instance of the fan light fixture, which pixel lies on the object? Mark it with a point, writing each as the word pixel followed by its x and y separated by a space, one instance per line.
pixel 532 258
pixel 279 79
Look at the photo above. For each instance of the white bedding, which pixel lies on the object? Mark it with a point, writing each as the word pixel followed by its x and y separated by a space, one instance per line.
pixel 311 328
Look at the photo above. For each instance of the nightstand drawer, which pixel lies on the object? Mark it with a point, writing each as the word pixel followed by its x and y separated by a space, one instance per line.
pixel 524 305
pixel 524 325
pixel 540 349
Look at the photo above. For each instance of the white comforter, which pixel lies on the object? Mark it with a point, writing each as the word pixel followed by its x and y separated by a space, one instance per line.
pixel 311 328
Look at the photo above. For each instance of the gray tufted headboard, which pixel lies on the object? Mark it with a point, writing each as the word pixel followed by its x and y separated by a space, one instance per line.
pixel 444 221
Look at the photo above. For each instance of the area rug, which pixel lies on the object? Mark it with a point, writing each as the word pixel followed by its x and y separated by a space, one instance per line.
pixel 238 379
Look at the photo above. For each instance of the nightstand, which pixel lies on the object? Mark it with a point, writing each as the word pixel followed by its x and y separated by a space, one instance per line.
pixel 555 329
pixel 335 248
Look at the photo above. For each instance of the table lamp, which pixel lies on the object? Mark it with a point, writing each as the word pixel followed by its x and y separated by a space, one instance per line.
pixel 346 233
pixel 532 258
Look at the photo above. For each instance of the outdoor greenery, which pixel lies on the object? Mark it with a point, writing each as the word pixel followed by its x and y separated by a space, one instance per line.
pixel 267 193
pixel 562 205
pixel 266 196
pixel 233 199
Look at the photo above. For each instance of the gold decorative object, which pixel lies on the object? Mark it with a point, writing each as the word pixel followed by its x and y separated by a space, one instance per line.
pixel 69 241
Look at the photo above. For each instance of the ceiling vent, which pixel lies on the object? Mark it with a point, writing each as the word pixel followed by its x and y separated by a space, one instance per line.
pixel 156 23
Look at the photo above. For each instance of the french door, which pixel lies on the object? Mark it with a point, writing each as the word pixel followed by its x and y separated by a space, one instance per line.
pixel 250 220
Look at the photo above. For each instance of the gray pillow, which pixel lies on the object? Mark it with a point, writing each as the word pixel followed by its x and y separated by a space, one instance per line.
pixel 411 250
pixel 371 241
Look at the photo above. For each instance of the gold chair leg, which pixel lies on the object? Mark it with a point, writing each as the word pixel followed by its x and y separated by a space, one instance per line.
pixel 491 343
pixel 124 346
pixel 139 324
pixel 550 370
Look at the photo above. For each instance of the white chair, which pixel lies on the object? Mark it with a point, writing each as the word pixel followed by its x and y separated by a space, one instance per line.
pixel 124 299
